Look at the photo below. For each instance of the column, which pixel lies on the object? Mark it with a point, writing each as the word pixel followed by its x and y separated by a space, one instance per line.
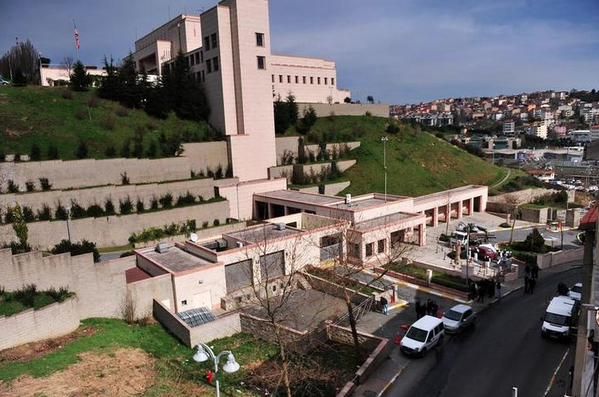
pixel 460 209
pixel 422 234
pixel 435 216
pixel 471 206
pixel 448 212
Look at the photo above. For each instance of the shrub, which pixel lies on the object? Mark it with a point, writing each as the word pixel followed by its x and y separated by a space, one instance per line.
pixel 216 222
pixel 126 149
pixel 44 214
pixel 82 151
pixel 108 122
pixel 187 199
pixel 95 211
pixel 154 203
pixel 110 151
pixel 77 211
pixel 61 213
pixel 12 186
pixel 28 215
pixel 45 184
pixel 81 114
pixel 368 114
pixel 109 207
pixel 53 153
pixel 124 178
pixel 205 224
pixel 218 174
pixel 139 206
pixel 152 151
pixel 126 206
pixel 122 111
pixel 80 248
pixel 166 201
pixel 30 186
pixel 26 295
pixel 35 153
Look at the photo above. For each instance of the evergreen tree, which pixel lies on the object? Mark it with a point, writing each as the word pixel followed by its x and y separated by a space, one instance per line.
pixel 53 153
pixel 80 80
pixel 35 153
pixel 81 151
pixel 130 95
pixel 19 79
pixel 109 86
pixel 282 121
pixel 292 109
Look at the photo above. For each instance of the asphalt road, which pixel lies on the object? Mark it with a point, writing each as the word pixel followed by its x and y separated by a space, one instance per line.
pixel 504 350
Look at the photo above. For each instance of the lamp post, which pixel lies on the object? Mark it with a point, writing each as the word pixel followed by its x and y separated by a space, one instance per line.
pixel 205 352
pixel 68 209
pixel 385 139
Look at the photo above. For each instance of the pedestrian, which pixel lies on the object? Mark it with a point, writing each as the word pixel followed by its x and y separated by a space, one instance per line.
pixel 527 270
pixel 435 309
pixel 531 285
pixel 422 310
pixel 481 292
pixel 534 273
pixel 418 306
pixel 490 288
pixel 498 289
pixel 429 306
pixel 385 305
pixel 526 284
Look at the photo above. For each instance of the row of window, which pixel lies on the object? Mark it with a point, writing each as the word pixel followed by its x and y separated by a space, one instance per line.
pixel 354 249
pixel 210 42
pixel 212 65
pixel 195 59
pixel 304 80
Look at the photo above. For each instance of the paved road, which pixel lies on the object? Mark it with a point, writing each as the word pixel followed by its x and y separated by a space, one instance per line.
pixel 505 350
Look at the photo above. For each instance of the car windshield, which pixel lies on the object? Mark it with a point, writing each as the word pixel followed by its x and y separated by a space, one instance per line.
pixel 417 334
pixel 556 319
pixel 453 315
pixel 577 288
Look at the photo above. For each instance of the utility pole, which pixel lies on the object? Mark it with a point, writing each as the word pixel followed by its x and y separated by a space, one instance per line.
pixel 385 139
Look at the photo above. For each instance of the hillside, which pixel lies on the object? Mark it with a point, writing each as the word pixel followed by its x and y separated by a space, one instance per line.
pixel 46 115
pixel 417 162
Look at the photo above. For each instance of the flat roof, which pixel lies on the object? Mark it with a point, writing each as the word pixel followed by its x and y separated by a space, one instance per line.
pixel 262 233
pixel 176 260
pixel 308 198
pixel 384 220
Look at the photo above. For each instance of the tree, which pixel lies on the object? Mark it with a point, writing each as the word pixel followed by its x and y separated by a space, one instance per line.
pixel 80 79
pixel 79 248
pixel 292 109
pixel 68 62
pixel 370 99
pixel 185 93
pixel 109 84
pixel 35 153
pixel 308 120
pixel 19 79
pixel 282 114
pixel 81 151
pixel 19 225
pixel 24 58
pixel 347 99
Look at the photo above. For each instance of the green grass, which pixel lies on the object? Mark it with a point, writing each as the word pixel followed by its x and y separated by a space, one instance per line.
pixel 29 297
pixel 41 115
pixel 444 279
pixel 417 162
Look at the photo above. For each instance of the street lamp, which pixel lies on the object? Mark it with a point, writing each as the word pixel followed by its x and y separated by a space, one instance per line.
pixel 385 139
pixel 68 209
pixel 205 352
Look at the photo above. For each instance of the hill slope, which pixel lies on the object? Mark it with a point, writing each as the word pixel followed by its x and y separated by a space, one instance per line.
pixel 417 162
pixel 43 116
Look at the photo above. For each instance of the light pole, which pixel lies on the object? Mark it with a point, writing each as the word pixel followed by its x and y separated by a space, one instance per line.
pixel 385 139
pixel 205 352
pixel 68 209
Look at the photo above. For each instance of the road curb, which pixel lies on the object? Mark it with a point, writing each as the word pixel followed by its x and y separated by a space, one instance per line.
pixel 390 382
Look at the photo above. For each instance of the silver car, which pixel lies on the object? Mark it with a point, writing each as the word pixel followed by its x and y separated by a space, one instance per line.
pixel 458 318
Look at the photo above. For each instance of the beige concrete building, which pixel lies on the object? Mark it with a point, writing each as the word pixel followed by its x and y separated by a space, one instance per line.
pixel 53 75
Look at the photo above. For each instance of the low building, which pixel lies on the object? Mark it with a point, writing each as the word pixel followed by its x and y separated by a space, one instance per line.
pixel 509 128
pixel 56 75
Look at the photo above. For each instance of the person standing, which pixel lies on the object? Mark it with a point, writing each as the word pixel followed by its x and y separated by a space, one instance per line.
pixel 498 289
pixel 531 285
pixel 481 291
pixel 429 306
pixel 534 273
pixel 385 305
pixel 418 309
pixel 526 284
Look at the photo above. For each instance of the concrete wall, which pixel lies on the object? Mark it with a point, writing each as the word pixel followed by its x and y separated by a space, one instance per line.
pixel 346 109
pixel 143 293
pixel 295 340
pixel 98 195
pixel 115 230
pixel 85 173
pixel 220 328
pixel 240 196
pixel 31 325
pixel 206 155
pixel 331 189
pixel 290 144
pixel 535 215
pixel 560 257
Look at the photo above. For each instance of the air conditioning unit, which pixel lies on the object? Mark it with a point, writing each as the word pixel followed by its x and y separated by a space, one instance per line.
pixel 161 248
pixel 281 226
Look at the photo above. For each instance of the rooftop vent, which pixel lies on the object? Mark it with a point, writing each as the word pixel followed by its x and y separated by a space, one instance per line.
pixel 348 199
pixel 161 248
pixel 280 226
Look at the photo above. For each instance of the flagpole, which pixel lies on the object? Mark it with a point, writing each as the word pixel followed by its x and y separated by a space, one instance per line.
pixel 76 39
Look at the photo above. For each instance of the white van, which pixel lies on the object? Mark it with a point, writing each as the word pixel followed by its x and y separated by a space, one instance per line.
pixel 422 336
pixel 559 318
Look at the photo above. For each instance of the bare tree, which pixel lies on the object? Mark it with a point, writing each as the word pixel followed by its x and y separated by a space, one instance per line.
pixel 68 62
pixel 513 204
pixel 21 58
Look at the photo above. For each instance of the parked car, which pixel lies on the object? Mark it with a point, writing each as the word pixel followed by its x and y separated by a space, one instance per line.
pixel 487 251
pixel 560 318
pixel 576 292
pixel 3 82
pixel 422 336
pixel 458 318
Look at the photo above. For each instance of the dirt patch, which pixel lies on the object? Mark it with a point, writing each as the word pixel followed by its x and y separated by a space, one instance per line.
pixel 35 350
pixel 124 372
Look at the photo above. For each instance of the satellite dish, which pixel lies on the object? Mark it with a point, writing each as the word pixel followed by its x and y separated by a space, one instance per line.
pixel 193 237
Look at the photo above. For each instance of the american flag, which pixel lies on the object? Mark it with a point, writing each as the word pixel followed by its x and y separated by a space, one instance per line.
pixel 77 43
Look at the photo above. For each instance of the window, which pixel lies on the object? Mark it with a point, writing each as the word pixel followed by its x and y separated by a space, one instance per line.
pixel 207 43
pixel 215 64
pixel 273 78
pixel 197 57
pixel 326 81
pixel 280 78
pixel 353 250
pixel 184 302
pixel 261 62
pixel 260 39
pixel 311 80
pixel 304 79
pixel 369 249
pixel 296 79
pixel 380 246
pixel 332 81
pixel 288 79
pixel 214 40
pixel 201 56
pixel 203 77
pixel 192 60
pixel 318 80
pixel 209 65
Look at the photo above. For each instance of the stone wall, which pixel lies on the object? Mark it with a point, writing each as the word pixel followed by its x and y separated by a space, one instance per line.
pixel 330 288
pixel 206 155
pixel 98 195
pixel 534 215
pixel 295 340
pixel 31 325
pixel 89 172
pixel 346 109
pixel 288 145
pixel 116 230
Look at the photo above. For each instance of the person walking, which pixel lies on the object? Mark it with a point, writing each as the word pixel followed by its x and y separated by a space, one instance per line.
pixel 417 306
pixel 498 289
pixel 526 284
pixel 481 292
pixel 534 273
pixel 429 306
pixel 385 305
pixel 435 309
pixel 531 285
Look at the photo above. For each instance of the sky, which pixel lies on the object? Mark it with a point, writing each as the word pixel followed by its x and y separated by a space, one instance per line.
pixel 398 51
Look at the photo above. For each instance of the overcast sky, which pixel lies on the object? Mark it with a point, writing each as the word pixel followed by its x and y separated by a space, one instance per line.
pixel 399 51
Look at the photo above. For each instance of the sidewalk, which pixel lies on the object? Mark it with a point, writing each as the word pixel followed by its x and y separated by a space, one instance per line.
pixel 389 370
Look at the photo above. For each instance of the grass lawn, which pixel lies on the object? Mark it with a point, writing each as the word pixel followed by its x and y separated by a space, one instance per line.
pixel 29 298
pixel 41 115
pixel 444 279
pixel 417 162
pixel 174 364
